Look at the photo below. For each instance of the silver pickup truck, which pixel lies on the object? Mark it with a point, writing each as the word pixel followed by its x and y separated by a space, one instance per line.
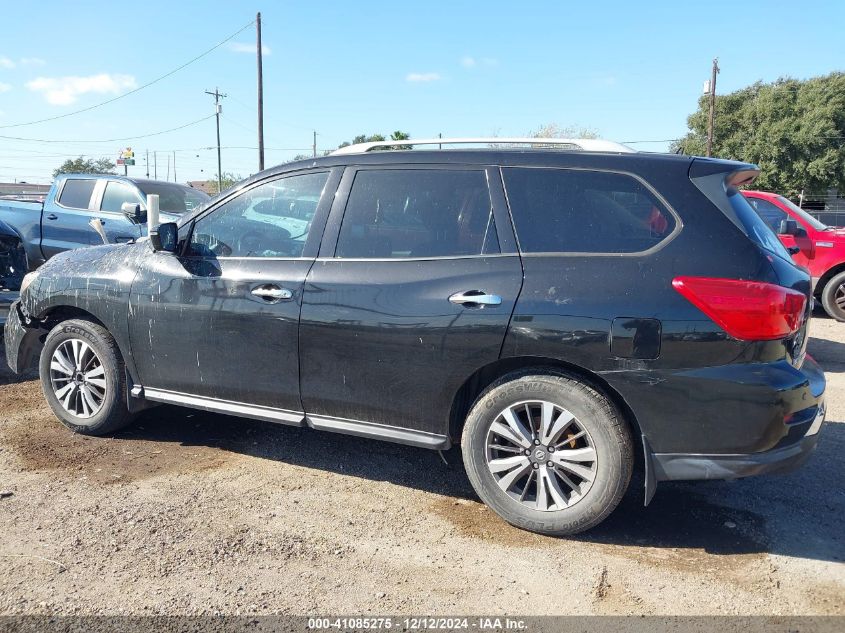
pixel 62 221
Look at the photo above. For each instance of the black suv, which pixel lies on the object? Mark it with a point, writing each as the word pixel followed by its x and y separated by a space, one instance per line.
pixel 558 313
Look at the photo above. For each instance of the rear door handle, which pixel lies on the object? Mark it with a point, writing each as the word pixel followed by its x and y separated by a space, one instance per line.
pixel 272 292
pixel 52 216
pixel 475 298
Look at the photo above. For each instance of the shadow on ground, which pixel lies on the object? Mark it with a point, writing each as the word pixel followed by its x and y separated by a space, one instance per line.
pixel 799 514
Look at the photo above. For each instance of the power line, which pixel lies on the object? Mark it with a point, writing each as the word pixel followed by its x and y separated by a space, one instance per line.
pixel 146 85
pixel 110 140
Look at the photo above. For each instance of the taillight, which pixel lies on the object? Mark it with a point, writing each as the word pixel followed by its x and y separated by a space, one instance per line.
pixel 748 310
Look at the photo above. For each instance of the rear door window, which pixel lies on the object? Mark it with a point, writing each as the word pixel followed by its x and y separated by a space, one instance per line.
pixel 582 211
pixel 76 194
pixel 411 213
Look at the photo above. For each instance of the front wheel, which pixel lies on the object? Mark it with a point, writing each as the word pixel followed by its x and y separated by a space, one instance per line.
pixel 833 297
pixel 83 378
pixel 547 452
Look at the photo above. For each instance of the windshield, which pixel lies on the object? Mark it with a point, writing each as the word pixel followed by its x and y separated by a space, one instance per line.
pixel 806 217
pixel 173 198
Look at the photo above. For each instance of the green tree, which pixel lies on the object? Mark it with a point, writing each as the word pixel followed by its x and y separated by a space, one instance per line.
pixel 85 166
pixel 228 180
pixel 792 129
pixel 399 135
pixel 553 130
pixel 363 138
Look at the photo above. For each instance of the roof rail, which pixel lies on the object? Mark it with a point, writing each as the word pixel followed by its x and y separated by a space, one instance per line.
pixel 579 144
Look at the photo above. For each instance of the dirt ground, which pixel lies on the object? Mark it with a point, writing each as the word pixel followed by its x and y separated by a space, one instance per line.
pixel 190 512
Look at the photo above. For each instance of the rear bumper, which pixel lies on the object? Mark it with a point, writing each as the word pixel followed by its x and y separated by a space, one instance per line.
pixel 7 298
pixel 680 466
pixel 798 433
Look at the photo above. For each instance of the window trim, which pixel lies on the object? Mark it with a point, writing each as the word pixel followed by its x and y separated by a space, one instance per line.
pixel 318 224
pixel 91 198
pixel 649 251
pixel 504 227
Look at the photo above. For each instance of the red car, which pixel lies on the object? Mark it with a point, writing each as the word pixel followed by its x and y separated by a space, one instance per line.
pixel 817 247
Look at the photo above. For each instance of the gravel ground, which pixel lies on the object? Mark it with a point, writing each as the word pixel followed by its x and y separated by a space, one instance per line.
pixel 189 513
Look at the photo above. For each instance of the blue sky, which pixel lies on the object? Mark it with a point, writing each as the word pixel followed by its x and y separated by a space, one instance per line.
pixel 633 71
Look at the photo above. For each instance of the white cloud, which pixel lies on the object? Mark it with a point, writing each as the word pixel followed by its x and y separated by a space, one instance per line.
pixel 243 47
pixel 5 62
pixel 5 87
pixel 467 61
pixel 32 61
pixel 422 77
pixel 66 90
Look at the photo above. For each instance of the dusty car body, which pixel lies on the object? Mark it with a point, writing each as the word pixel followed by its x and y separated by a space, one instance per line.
pixel 443 297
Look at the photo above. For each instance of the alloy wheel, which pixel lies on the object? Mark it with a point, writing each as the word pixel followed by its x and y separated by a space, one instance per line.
pixel 78 378
pixel 541 455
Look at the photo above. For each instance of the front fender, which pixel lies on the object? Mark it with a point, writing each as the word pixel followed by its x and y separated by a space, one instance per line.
pixel 91 281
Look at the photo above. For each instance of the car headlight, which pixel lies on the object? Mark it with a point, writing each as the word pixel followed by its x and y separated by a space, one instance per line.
pixel 28 279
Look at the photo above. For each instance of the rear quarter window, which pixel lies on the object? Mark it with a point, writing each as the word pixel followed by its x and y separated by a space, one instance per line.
pixel 755 227
pixel 582 211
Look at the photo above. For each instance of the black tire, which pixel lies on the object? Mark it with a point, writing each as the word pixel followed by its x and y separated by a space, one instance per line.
pixel 608 434
pixel 113 413
pixel 833 291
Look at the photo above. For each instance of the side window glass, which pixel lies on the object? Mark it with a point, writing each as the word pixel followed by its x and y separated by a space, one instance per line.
pixel 418 213
pixel 76 194
pixel 770 213
pixel 116 194
pixel 580 211
pixel 270 220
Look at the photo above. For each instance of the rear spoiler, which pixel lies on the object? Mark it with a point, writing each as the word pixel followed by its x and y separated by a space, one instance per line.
pixel 718 179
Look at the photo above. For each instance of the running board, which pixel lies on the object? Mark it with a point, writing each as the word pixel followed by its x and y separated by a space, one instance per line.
pixel 384 432
pixel 257 412
pixel 360 428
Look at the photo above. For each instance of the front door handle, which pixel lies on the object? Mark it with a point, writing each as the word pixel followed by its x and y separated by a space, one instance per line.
pixel 272 292
pixel 475 298
pixel 52 216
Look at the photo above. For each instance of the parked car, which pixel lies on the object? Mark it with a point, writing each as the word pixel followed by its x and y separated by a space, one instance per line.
pixel 814 245
pixel 12 269
pixel 553 312
pixel 61 221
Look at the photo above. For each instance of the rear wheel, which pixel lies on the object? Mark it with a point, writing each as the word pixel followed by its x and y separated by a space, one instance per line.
pixel 83 378
pixel 548 453
pixel 833 297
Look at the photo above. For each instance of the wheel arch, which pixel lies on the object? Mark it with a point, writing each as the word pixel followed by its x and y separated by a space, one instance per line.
pixel 469 391
pixel 827 276
pixel 53 315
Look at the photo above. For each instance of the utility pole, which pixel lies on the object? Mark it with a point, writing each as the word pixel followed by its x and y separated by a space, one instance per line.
pixel 174 166
pixel 314 145
pixel 217 110
pixel 155 165
pixel 147 162
pixel 260 94
pixel 712 106
pixel 168 167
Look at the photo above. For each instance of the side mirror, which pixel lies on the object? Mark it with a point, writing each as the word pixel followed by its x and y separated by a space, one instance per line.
pixel 165 237
pixel 793 250
pixel 134 212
